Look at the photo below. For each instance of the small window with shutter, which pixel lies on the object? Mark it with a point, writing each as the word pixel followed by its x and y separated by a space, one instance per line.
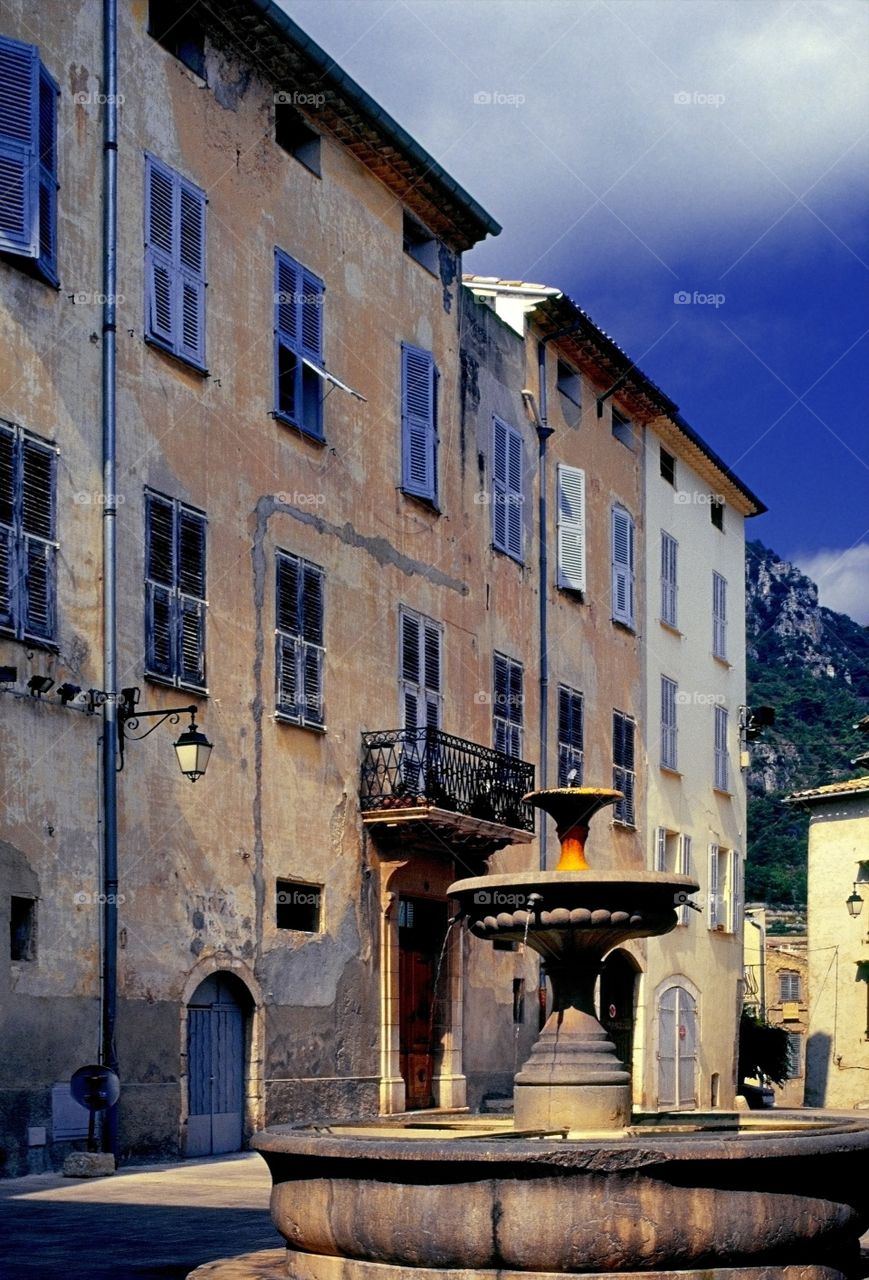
pixel 669 567
pixel 669 754
pixel 507 489
pixel 420 676
pixel 298 299
pixel 570 737
pixel 175 602
pixel 571 528
pixel 28 159
pixel 719 616
pixel 174 263
pixel 623 566
pixel 28 548
pixel 624 767
pixel 300 645
pixel 721 780
pixel 418 423
pixel 507 703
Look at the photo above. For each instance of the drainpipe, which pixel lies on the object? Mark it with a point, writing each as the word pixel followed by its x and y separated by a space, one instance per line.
pixel 544 431
pixel 109 975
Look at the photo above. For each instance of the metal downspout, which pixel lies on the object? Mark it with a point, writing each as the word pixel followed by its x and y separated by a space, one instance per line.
pixel 544 431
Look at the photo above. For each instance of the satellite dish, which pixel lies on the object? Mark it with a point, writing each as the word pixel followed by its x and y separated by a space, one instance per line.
pixel 95 1087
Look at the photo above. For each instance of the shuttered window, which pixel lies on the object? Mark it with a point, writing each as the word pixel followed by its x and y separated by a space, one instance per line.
pixel 624 767
pixel 669 751
pixel 174 263
pixel 719 616
pixel 507 703
pixel 570 737
pixel 300 646
pixel 669 561
pixel 507 489
pixel 175 602
pixel 623 566
pixel 571 528
pixel 28 157
pixel 298 296
pixel 28 550
pixel 721 779
pixel 717 881
pixel 418 423
pixel 725 889
pixel 684 869
pixel 421 671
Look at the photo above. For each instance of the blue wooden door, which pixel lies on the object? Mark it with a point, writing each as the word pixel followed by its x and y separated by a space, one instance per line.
pixel 215 1069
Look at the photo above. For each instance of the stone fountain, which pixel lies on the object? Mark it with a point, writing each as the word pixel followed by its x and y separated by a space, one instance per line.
pixel 574 1183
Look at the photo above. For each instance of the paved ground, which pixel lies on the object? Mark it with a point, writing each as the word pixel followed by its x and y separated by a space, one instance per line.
pixel 153 1222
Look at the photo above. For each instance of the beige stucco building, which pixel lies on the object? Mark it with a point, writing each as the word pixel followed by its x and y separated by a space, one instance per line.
pixel 837 1043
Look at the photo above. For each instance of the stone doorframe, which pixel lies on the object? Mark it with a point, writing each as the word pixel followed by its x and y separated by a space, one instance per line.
pixel 254 1040
pixel 418 878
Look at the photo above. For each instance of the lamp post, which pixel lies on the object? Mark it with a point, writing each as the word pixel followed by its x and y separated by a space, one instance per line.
pixel 854 902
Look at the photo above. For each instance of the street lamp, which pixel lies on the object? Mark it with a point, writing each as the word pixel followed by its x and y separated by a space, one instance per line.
pixel 854 902
pixel 193 750
pixel 192 747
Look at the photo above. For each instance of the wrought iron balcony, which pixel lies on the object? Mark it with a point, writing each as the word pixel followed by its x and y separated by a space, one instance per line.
pixel 465 793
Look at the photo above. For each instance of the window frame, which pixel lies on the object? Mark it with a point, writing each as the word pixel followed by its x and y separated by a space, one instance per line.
pixel 719 616
pixel 623 429
pixel 508 723
pixel 24 160
pixel 716 513
pixel 293 319
pixel 282 883
pixel 181 603
pixel 624 774
pixel 166 262
pixel 26 549
pixel 419 429
pixel 790 975
pixel 721 758
pixel 669 724
pixel 571 747
pixel 508 491
pixel 667 465
pixel 293 649
pixel 421 690
pixel 669 579
pixel 571 538
pixel 623 570
pixel 296 137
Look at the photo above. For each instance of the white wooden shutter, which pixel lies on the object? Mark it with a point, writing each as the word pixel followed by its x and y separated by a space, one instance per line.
pixel 571 528
pixel 719 615
pixel 736 880
pixel 623 566
pixel 660 849
pixel 669 553
pixel 668 723
pixel 714 888
pixel 684 870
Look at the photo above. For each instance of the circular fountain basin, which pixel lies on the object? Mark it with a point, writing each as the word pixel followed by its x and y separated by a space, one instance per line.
pixel 767 1198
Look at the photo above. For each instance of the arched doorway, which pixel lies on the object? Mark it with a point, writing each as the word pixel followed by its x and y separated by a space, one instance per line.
pixel 677 1049
pixel 217 1017
pixel 618 980
pixel 422 927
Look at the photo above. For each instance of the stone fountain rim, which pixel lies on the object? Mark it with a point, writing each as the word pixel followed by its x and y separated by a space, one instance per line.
pixel 604 879
pixel 596 1153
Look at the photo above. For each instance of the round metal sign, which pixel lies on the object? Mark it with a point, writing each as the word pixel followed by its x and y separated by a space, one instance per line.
pixel 682 1032
pixel 612 1011
pixel 95 1087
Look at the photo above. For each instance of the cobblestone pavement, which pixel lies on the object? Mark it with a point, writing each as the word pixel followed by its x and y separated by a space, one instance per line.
pixel 154 1222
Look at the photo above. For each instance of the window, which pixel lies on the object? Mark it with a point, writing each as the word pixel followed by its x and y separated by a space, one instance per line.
pixel 297 906
pixel 179 29
pixel 507 489
pixel 683 868
pixel 518 1001
pixel 669 560
pixel 719 616
pixel 795 1055
pixel 22 928
pixel 174 591
pixel 571 528
pixel 174 263
pixel 725 889
pixel 300 652
pixel 722 779
pixel 28 159
pixel 419 243
pixel 666 849
pixel 622 429
pixel 669 753
pixel 623 566
pixel 28 550
pixel 421 667
pixel 624 768
pixel 299 296
pixel 789 986
pixel 716 513
pixel 295 135
pixel 570 728
pixel 418 423
pixel 668 467
pixel 569 386
pixel 507 706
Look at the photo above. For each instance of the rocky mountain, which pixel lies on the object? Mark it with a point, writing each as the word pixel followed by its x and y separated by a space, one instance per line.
pixel 812 665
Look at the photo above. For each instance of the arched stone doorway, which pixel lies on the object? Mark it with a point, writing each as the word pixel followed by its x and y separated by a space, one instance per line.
pixel 618 986
pixel 218 1032
pixel 677 1049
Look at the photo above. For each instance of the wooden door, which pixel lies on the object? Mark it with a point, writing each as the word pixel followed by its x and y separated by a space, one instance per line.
pixel 215 1069
pixel 421 932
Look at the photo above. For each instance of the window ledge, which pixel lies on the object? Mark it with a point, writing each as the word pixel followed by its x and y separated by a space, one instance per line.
pixel 500 551
pixel 626 826
pixel 672 628
pixel 430 504
pixel 719 791
pixel 723 662
pixel 670 770
pixel 30 642
pixel 166 682
pixel 287 421
pixel 186 363
pixel 282 718
pixel 629 627
pixel 572 593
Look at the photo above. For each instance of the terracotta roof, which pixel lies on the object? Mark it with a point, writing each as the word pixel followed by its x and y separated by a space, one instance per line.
pixel 832 791
pixel 283 53
pixel 587 343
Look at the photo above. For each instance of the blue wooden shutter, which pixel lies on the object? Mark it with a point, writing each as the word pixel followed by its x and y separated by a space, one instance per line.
pixel 288 338
pixel 311 610
pixel 37 538
pixel 47 195
pixel 515 468
pixel 499 484
pixel 413 713
pixel 623 566
pixel 161 319
pixel 288 643
pixel 19 114
pixel 418 422
pixel 190 318
pixel 310 305
pixel 571 528
pixel 160 628
pixel 191 597
pixel 7 528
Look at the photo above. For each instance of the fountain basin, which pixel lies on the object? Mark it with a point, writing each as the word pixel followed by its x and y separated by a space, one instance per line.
pixel 774 1198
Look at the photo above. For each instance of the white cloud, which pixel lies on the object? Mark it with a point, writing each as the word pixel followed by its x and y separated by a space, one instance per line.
pixel 842 579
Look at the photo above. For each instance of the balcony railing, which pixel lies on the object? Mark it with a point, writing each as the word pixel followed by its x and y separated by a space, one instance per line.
pixel 409 768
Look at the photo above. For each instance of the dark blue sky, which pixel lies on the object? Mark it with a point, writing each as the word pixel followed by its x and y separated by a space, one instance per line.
pixel 636 149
